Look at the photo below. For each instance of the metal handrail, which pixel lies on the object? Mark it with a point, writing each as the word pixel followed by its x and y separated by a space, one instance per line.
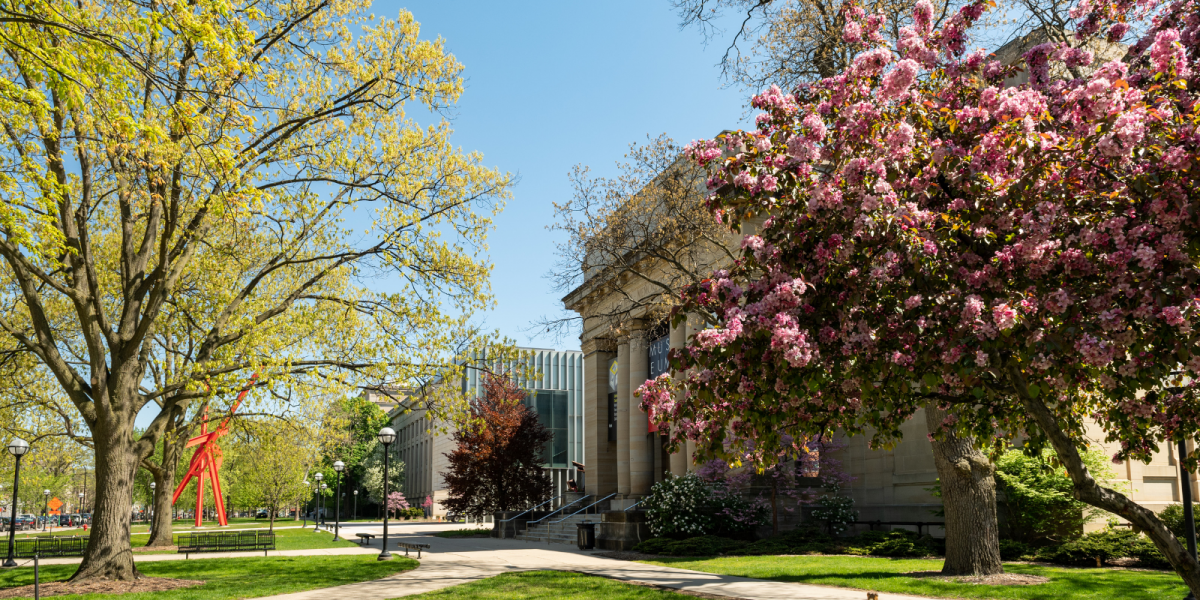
pixel 556 510
pixel 583 509
pixel 533 509
pixel 632 505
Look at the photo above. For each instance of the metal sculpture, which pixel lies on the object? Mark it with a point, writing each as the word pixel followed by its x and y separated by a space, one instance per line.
pixel 206 461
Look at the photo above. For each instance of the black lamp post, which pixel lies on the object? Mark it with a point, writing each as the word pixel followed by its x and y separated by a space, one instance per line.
pixel 317 490
pixel 322 502
pixel 152 486
pixel 354 511
pixel 306 484
pixel 18 447
pixel 337 511
pixel 387 435
pixel 46 509
pixel 80 509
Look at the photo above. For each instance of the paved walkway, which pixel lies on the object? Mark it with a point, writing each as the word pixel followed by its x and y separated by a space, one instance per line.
pixel 457 561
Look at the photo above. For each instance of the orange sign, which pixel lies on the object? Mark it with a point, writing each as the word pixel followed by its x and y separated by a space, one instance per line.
pixel 54 505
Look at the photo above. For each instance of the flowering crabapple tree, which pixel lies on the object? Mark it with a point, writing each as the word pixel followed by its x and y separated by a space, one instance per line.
pixel 1022 260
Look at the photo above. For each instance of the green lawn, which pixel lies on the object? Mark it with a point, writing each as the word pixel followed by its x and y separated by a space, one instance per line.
pixel 888 575
pixel 229 578
pixel 550 585
pixel 190 525
pixel 285 539
pixel 460 533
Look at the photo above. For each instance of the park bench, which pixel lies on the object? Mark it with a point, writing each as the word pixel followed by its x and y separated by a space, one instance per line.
pixel 43 546
pixel 226 541
pixel 364 538
pixel 410 546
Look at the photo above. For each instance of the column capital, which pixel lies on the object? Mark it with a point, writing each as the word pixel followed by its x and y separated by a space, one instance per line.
pixel 597 344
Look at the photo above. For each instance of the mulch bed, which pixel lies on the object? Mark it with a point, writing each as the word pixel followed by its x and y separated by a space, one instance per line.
pixel 997 579
pixel 101 586
pixel 172 548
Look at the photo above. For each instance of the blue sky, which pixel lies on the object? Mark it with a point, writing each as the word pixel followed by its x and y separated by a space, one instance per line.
pixel 554 84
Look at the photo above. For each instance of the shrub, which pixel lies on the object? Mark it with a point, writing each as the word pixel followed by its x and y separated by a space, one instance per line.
pixel 677 507
pixel 1014 550
pixel 1172 517
pixel 1038 504
pixel 705 545
pixel 1104 545
pixel 1147 554
pixel 836 512
pixel 653 546
pixel 689 506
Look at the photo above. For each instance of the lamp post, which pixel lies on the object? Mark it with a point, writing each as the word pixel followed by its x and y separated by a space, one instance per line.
pixel 317 490
pixel 354 511
pixel 306 484
pixel 80 509
pixel 337 511
pixel 18 447
pixel 323 501
pixel 46 509
pixel 387 435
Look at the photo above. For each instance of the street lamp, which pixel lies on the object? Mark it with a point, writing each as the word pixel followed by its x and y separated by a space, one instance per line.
pixel 18 447
pixel 323 501
pixel 354 511
pixel 80 510
pixel 387 435
pixel 317 490
pixel 337 511
pixel 46 509
pixel 306 484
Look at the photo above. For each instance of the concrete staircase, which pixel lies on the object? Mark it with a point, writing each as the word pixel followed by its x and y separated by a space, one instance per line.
pixel 547 531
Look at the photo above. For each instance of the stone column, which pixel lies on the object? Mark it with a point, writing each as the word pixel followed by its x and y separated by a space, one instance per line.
pixel 679 458
pixel 623 419
pixel 599 454
pixel 641 461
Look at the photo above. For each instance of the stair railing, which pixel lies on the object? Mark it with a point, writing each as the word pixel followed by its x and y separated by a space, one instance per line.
pixel 582 509
pixel 630 507
pixel 532 509
pixel 563 507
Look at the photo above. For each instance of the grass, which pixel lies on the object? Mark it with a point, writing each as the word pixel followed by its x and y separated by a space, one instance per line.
pixel 534 585
pixel 190 525
pixel 461 533
pixel 888 575
pixel 285 539
pixel 229 578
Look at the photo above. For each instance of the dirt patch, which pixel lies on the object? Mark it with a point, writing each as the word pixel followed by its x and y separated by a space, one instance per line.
pixel 997 579
pixel 101 586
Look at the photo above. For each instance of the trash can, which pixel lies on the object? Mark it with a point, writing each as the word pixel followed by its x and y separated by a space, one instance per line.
pixel 587 535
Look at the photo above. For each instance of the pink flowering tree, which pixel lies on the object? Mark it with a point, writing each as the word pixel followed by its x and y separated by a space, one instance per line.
pixel 1020 260
pixel 396 502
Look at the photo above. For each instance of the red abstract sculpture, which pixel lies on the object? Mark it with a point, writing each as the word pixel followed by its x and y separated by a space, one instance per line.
pixel 206 461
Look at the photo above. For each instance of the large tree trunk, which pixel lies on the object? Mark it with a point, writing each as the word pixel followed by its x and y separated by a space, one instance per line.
pixel 969 499
pixel 1087 489
pixel 161 533
pixel 108 553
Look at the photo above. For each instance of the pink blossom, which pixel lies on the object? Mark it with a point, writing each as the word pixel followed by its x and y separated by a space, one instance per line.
pixel 913 301
pixel 852 33
pixel 898 80
pixel 1004 316
pixel 981 358
pixel 972 308
pixel 1173 316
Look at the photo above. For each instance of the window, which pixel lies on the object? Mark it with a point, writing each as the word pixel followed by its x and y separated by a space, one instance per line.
pixel 551 409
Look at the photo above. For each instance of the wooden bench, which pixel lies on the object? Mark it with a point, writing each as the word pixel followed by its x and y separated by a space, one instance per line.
pixel 225 541
pixel 409 546
pixel 364 538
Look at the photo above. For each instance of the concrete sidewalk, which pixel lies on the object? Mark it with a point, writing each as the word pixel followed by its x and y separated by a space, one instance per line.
pixel 456 561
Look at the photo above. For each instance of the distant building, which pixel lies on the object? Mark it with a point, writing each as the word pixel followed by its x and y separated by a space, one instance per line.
pixel 554 380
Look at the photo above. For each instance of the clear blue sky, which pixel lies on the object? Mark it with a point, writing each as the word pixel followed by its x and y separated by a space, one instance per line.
pixel 554 84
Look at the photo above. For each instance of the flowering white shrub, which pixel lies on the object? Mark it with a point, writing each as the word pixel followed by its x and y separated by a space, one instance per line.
pixel 692 506
pixel 836 512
